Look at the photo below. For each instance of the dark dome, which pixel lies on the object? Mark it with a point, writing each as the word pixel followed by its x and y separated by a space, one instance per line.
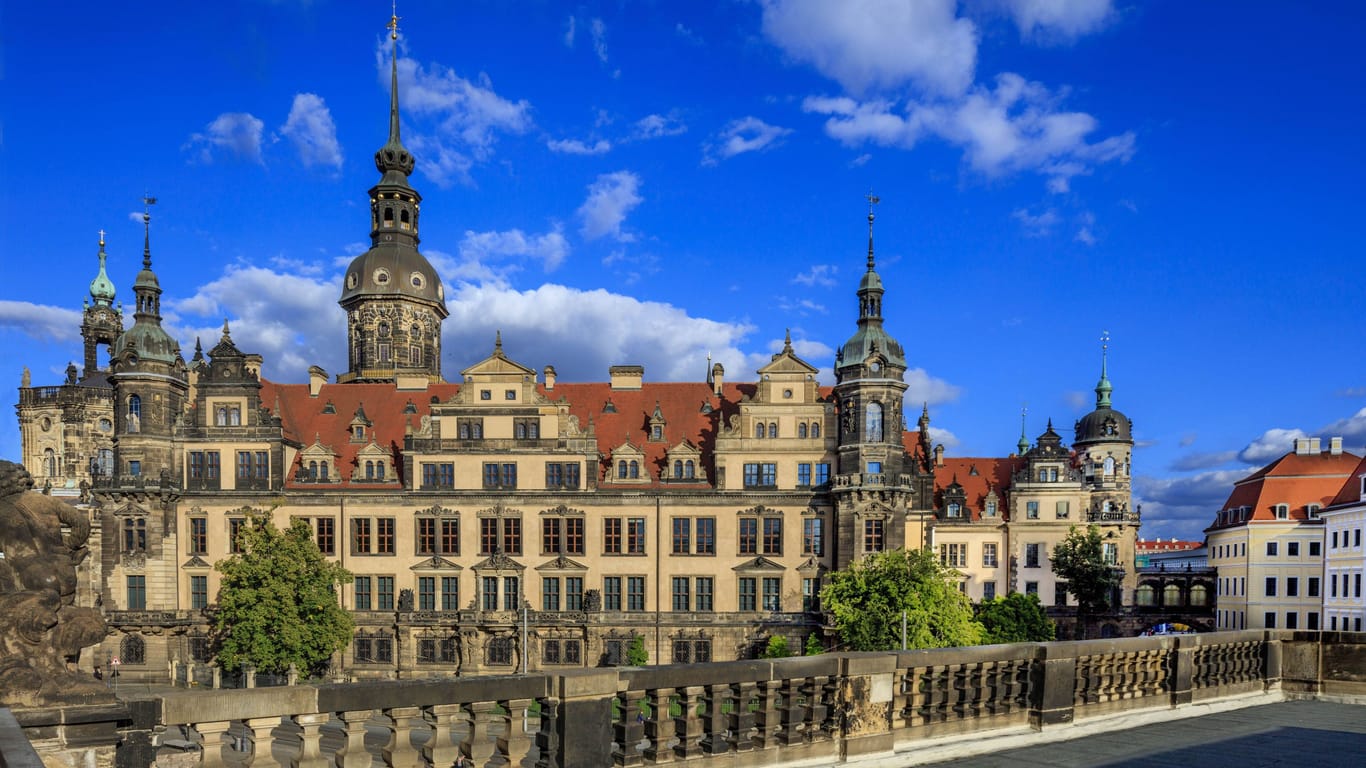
pixel 1104 425
pixel 392 269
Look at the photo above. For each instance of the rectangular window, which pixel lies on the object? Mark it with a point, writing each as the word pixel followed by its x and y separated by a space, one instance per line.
pixel 1312 620
pixel 822 474
pixel 211 465
pixel 1060 594
pixel 804 475
pixel 1270 586
pixel 137 593
pixel 262 465
pixel 512 535
pixel 749 536
pixel 550 593
pixel 550 535
pixel 426 593
pixel 706 536
pixel 682 598
pixel 1315 549
pixel 1032 588
pixel 360 536
pixel 1271 549
pixel 768 475
pixel 197 465
pixel 135 467
pixel 326 535
pixel 635 593
pixel 705 589
pixel 773 536
pixel 611 536
pixel 813 536
pixel 450 593
pixel 988 590
pixel 773 588
pixel 512 593
pixel 488 535
pixel 1110 553
pixel 635 536
pixel 1292 620
pixel 1332 586
pixel 752 475
pixel 1356 585
pixel 235 545
pixel 199 592
pixel 611 593
pixel 573 593
pixel 748 593
pixel 1335 533
pixel 811 595
pixel 1292 587
pixel 362 590
pixel 573 536
pixel 682 536
pixel 426 536
pixel 439 475
pixel 1292 549
pixel 450 537
pixel 953 555
pixel 1064 508
pixel 384 593
pixel 1313 586
pixel 1032 510
pixel 1032 555
pixel 989 555
pixel 199 535
pixel 244 465
pixel 489 592
pixel 500 476
pixel 384 536
pixel 872 536
pixel 561 475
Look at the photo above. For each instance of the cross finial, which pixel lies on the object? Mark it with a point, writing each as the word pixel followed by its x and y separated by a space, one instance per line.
pixel 101 238
pixel 393 22
pixel 1104 341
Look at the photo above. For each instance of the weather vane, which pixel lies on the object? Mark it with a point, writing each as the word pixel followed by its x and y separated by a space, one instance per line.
pixel 872 201
pixel 393 22
pixel 147 202
pixel 1104 340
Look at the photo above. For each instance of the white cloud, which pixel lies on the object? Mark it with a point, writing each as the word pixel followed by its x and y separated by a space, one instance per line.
pixel 1035 225
pixel 819 274
pixel 576 147
pixel 599 32
pixel 657 126
pixel 1015 126
pixel 800 306
pixel 1183 506
pixel 1085 237
pixel 1193 461
pixel 610 198
pixel 1059 20
pixel 1270 445
pixel 1352 429
pixel 687 34
pixel 311 130
pixel 443 164
pixel 860 161
pixel 877 44
pixel 570 28
pixel 921 387
pixel 943 437
pixel 550 248
pixel 237 133
pixel 748 134
pixel 1188 439
pixel 41 321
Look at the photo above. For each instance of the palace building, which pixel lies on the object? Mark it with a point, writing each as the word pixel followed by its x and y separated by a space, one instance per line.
pixel 498 503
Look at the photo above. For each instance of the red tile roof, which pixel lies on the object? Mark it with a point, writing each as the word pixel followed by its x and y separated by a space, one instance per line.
pixel 1295 479
pixel 1171 545
pixel 977 476
pixel 1350 492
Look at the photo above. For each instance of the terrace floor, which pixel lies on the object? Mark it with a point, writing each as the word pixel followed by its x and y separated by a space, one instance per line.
pixel 1289 733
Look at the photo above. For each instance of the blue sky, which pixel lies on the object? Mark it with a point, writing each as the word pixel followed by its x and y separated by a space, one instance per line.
pixel 650 182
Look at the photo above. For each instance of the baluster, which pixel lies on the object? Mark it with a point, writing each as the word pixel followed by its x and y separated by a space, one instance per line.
pixel 262 740
pixel 439 750
pixel 958 693
pixel 547 739
pixel 941 692
pixel 714 741
pixel 659 726
pixel 352 753
pixel 766 722
pixel 480 746
pixel 310 741
pixel 976 690
pixel 399 751
pixel 214 738
pixel 515 744
pixel 792 713
pixel 629 729
pixel 687 725
pixel 741 721
pixel 819 692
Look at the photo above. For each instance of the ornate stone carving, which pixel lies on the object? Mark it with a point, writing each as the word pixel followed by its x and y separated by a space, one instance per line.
pixel 40 625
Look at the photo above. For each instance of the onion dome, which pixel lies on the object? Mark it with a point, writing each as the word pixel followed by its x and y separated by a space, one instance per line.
pixel 102 288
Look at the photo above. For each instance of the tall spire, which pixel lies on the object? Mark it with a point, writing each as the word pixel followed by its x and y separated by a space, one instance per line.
pixel 102 288
pixel 147 203
pixel 393 160
pixel 1103 388
pixel 872 201
pixel 393 77
pixel 1023 445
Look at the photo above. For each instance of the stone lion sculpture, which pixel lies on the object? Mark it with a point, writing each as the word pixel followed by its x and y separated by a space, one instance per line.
pixel 40 625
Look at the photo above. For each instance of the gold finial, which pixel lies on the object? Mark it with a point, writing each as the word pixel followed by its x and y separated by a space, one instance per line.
pixel 101 238
pixel 393 22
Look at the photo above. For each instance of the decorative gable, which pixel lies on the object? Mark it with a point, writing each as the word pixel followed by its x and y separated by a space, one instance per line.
pixel 628 464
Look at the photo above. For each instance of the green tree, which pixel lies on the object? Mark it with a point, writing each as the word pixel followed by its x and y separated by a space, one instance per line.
pixel 813 646
pixel 1079 560
pixel 1015 618
pixel 777 648
pixel 636 655
pixel 869 598
pixel 277 603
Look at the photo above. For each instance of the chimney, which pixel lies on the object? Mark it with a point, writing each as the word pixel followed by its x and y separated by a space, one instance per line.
pixel 1313 445
pixel 626 376
pixel 549 377
pixel 718 374
pixel 939 455
pixel 1301 445
pixel 1335 446
pixel 317 377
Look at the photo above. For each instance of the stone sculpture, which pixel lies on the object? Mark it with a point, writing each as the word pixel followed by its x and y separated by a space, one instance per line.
pixel 40 625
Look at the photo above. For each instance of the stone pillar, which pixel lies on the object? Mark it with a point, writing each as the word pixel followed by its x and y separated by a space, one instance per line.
pixel 547 738
pixel 1272 660
pixel 214 736
pixel 352 753
pixel 439 750
pixel 1180 683
pixel 399 752
pixel 583 724
pixel 688 726
pixel 310 748
pixel 1052 684
pixel 659 726
pixel 741 718
pixel 515 744
pixel 262 739
pixel 714 721
pixel 629 730
pixel 481 747
pixel 865 698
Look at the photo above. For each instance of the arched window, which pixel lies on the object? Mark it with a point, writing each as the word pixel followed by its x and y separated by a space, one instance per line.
pixel 322 472
pixel 312 470
pixel 134 413
pixel 1144 595
pixel 49 463
pixel 955 510
pixel 220 417
pixel 689 469
pixel 1043 475
pixel 369 470
pixel 403 219
pixel 520 430
pixel 1109 466
pixel 1171 596
pixel 477 430
pixel 815 429
pixel 379 470
pixel 388 217
pixel 801 430
pixel 383 329
pixel 872 423
pixel 1199 595
pixel 234 417
pixel 621 469
pixel 464 430
pixel 415 351
pixel 132 650
pixel 772 431
pixel 678 468
pixel 759 431
pixel 1106 506
pixel 533 430
pixel 635 469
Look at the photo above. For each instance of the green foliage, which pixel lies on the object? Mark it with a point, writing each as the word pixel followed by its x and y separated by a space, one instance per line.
pixel 1079 560
pixel 777 648
pixel 277 604
pixel 636 655
pixel 1015 618
pixel 868 598
pixel 813 646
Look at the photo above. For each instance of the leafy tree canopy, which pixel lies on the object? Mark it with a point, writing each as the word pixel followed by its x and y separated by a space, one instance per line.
pixel 813 646
pixel 777 648
pixel 1015 618
pixel 868 598
pixel 1079 560
pixel 636 655
pixel 277 603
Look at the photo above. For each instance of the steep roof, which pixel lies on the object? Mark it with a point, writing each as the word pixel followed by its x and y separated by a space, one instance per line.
pixel 1350 492
pixel 977 476
pixel 1295 479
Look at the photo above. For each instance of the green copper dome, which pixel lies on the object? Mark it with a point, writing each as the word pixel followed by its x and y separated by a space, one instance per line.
pixel 102 288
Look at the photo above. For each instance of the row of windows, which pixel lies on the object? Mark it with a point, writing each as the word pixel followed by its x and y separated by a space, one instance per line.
pixel 1354 620
pixel 499 475
pixel 1355 537
pixel 1230 550
pixel 1062 510
pixel 1146 595
pixel 1292 549
pixel 1034 554
pixel 770 431
pixel 955 555
pixel 471 428
pixel 1354 579
pixel 765 474
pixel 1292 586
pixel 1292 620
pixel 955 509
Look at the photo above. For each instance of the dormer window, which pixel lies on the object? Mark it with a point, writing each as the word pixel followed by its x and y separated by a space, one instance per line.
pixel 955 510
pixel 991 508
pixel 358 432
pixel 656 432
pixel 1282 511
pixel 1312 510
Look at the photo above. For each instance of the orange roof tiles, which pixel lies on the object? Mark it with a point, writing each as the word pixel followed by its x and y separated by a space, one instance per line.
pixel 977 476
pixel 1295 479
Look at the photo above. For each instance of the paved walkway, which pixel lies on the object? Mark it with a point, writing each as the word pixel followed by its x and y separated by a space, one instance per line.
pixel 1292 733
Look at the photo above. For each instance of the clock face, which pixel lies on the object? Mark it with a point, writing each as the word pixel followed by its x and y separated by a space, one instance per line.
pixel 875 366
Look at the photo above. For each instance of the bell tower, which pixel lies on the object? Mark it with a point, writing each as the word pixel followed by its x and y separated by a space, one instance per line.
pixel 101 322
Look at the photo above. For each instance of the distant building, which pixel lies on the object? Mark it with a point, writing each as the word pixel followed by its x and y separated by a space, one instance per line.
pixel 1344 555
pixel 1267 541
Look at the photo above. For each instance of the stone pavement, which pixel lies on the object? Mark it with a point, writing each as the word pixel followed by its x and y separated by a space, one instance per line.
pixel 1291 733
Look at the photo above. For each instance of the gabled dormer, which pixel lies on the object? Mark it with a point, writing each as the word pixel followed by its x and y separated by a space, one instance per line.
pixel 360 427
pixel 628 465
pixel 683 463
pixel 318 463
pixel 374 464
pixel 654 426
pixel 498 381
pixel 787 378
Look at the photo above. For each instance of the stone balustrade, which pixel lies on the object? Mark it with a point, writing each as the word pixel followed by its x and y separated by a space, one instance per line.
pixel 832 708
